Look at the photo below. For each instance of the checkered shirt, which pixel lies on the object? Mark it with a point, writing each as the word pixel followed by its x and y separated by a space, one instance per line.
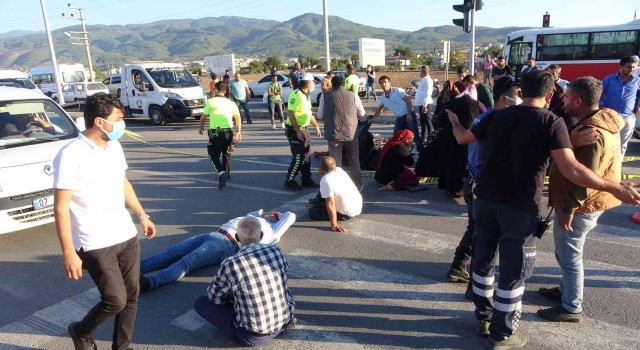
pixel 255 280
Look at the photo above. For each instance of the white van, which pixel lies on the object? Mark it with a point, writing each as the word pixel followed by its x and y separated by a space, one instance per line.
pixel 43 76
pixel 16 78
pixel 33 128
pixel 161 91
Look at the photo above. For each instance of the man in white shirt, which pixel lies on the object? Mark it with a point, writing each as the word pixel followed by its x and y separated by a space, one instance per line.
pixel 423 100
pixel 95 229
pixel 342 200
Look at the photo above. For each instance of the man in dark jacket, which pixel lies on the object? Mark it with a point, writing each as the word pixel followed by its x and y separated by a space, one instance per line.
pixel 340 110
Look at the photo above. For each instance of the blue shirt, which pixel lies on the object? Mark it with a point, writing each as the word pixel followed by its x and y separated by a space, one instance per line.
pixel 238 89
pixel 475 150
pixel 395 102
pixel 621 97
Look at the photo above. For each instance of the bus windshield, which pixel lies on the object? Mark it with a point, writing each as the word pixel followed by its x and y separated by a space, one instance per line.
pixel 168 77
pixel 73 77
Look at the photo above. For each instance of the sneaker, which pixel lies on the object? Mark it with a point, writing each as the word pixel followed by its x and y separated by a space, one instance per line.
pixel 282 124
pixel 458 274
pixel 273 126
pixel 310 183
pixel 222 181
pixel 293 185
pixel 80 343
pixel 249 122
pixel 483 328
pixel 552 294
pixel 559 314
pixel 516 341
pixel 145 284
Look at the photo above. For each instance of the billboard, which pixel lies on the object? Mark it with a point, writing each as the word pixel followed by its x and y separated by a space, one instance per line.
pixel 218 64
pixel 371 52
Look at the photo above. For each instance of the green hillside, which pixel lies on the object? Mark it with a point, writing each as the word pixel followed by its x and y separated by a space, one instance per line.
pixel 192 39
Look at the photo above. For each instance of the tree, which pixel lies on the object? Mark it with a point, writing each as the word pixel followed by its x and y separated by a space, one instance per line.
pixel 429 60
pixel 355 58
pixel 273 61
pixel 256 67
pixel 301 59
pixel 337 64
pixel 493 50
pixel 458 59
pixel 312 61
pixel 403 50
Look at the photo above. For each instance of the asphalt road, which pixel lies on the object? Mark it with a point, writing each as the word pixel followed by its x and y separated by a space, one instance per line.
pixel 380 285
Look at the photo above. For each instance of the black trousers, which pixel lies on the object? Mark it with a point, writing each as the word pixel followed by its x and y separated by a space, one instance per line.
pixel 219 142
pixel 463 251
pixel 116 271
pixel 299 151
pixel 319 211
pixel 426 126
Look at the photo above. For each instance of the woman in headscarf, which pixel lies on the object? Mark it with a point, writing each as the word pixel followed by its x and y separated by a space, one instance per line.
pixel 448 92
pixel 452 157
pixel 393 173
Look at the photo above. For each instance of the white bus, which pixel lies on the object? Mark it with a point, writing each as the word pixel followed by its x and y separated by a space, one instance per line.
pixel 580 51
pixel 43 76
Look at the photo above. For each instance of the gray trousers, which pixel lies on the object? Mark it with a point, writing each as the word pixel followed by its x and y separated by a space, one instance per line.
pixel 352 150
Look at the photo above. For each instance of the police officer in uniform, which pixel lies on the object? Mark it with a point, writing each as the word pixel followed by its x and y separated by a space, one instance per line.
pixel 221 112
pixel 297 130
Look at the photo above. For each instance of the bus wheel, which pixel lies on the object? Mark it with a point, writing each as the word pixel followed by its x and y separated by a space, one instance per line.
pixel 197 117
pixel 118 94
pixel 157 116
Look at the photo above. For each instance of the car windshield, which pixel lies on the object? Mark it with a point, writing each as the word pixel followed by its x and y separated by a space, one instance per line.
pixel 96 86
pixel 21 82
pixel 168 77
pixel 73 77
pixel 33 121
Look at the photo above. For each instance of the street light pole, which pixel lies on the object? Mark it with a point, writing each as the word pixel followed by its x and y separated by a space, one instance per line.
pixel 472 51
pixel 85 37
pixel 325 11
pixel 52 53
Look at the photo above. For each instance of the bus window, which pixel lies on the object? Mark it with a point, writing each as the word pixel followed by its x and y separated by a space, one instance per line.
pixel 563 47
pixel 613 45
pixel 73 77
pixel 518 55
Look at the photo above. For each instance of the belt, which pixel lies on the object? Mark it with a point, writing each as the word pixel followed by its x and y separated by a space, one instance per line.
pixel 230 237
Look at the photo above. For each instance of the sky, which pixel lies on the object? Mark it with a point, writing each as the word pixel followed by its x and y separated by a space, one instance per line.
pixel 409 15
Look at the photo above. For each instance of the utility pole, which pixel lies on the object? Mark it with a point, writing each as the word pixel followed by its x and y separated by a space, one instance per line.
pixel 325 10
pixel 84 38
pixel 52 54
pixel 472 51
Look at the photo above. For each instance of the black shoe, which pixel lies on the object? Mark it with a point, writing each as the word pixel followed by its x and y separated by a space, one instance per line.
pixel 293 185
pixel 145 284
pixel 222 181
pixel 458 274
pixel 249 122
pixel 516 341
pixel 552 294
pixel 559 314
pixel 80 343
pixel 483 328
pixel 310 183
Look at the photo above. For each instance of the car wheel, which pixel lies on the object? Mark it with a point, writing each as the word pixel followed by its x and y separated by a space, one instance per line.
pixel 251 92
pixel 636 134
pixel 118 94
pixel 197 117
pixel 436 91
pixel 156 115
pixel 55 99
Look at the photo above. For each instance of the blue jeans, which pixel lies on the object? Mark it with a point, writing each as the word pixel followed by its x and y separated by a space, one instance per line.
pixel 568 248
pixel 245 106
pixel 372 90
pixel 189 255
pixel 401 124
pixel 223 317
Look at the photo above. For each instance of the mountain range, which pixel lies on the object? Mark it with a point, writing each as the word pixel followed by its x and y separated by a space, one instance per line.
pixel 192 39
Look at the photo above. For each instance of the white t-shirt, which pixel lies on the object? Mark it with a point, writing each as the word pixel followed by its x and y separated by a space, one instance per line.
pixel 339 185
pixel 424 92
pixel 95 175
pixel 271 231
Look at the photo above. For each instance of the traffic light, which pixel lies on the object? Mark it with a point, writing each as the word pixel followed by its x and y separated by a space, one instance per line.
pixel 464 22
pixel 546 18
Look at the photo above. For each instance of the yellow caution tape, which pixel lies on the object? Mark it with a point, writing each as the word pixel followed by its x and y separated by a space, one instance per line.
pixel 140 139
pixel 631 158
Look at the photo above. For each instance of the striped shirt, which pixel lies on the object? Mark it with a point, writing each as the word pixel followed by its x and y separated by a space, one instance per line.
pixel 255 280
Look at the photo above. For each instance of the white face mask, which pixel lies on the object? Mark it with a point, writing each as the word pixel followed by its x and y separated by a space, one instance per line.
pixel 517 100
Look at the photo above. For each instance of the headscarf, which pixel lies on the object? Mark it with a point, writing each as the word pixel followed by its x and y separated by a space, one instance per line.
pixel 401 136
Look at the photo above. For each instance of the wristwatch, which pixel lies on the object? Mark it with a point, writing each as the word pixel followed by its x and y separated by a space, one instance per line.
pixel 144 217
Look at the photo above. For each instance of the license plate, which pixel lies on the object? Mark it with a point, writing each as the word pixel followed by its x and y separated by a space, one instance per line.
pixel 196 111
pixel 39 203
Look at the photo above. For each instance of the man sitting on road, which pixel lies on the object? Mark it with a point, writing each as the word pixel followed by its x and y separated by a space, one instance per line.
pixel 249 299
pixel 342 200
pixel 208 249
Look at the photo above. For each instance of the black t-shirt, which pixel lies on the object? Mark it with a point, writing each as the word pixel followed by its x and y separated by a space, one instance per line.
pixel 393 163
pixel 497 71
pixel 517 143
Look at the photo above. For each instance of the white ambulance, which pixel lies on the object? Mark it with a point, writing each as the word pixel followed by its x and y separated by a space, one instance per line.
pixel 161 91
pixel 43 76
